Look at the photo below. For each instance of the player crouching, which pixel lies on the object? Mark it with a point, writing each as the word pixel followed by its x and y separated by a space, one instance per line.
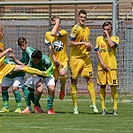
pixel 42 62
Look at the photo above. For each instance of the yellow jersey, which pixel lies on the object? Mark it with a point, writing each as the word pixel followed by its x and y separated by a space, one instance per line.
pixel 1 50
pixel 61 55
pixel 79 34
pixel 108 54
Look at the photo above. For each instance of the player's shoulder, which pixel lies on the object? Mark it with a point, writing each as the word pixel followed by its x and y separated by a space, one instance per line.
pixel 46 58
pixel 29 48
pixel 115 37
pixel 76 26
pixel 48 33
pixel 62 30
pixel 99 37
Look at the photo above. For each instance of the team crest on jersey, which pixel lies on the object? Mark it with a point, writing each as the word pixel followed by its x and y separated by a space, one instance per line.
pixel 102 46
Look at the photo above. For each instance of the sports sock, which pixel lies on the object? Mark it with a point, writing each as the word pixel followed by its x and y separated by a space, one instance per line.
pixel 90 86
pixel 73 93
pixel 32 97
pixel 49 102
pixel 63 82
pixel 114 93
pixel 26 95
pixel 18 98
pixel 37 99
pixel 102 97
pixel 5 98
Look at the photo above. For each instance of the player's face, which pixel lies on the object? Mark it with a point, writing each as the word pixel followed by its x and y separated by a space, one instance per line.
pixel 53 23
pixel 23 46
pixel 107 29
pixel 36 60
pixel 81 19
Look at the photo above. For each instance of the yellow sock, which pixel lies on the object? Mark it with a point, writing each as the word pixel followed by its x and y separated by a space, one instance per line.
pixel 114 93
pixel 32 71
pixel 102 97
pixel 73 92
pixel 91 90
pixel 63 82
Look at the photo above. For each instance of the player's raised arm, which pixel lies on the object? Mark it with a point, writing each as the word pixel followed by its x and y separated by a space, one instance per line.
pixel 3 53
pixel 55 22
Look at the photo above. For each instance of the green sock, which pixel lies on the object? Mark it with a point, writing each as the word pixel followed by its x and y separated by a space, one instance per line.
pixel 5 98
pixel 18 98
pixel 37 99
pixel 26 95
pixel 49 102
pixel 32 97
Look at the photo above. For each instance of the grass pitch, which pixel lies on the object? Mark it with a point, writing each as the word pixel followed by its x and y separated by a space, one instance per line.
pixel 64 121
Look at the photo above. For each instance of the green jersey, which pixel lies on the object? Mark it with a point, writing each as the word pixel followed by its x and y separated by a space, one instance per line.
pixel 43 65
pixel 26 57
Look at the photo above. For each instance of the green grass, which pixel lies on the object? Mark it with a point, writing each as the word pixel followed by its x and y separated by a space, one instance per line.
pixel 64 121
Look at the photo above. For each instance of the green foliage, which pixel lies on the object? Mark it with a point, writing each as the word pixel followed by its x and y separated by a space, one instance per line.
pixel 64 121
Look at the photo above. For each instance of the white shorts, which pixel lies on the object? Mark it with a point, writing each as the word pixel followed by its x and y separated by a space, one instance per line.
pixel 31 82
pixel 17 81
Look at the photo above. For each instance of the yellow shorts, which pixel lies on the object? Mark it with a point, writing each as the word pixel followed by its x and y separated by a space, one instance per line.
pixel 107 77
pixel 82 67
pixel 63 66
pixel 5 69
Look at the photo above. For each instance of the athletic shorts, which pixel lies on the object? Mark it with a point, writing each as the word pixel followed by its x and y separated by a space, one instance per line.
pixel 17 81
pixel 31 82
pixel 5 69
pixel 63 66
pixel 81 67
pixel 107 77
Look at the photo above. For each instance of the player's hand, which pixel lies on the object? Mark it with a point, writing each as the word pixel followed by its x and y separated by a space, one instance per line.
pixel 11 55
pixel 57 64
pixel 105 67
pixel 57 21
pixel 9 49
pixel 88 45
pixel 106 34
pixel 88 49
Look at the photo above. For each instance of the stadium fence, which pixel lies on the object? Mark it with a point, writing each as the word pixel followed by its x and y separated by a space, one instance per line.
pixel 31 20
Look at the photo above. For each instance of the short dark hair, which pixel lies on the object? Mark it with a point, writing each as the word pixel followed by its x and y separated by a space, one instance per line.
pixel 106 24
pixel 22 40
pixel 82 12
pixel 53 17
pixel 37 54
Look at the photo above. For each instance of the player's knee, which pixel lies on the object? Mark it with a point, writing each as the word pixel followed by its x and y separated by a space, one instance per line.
pixel 63 76
pixel 39 89
pixel 62 73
